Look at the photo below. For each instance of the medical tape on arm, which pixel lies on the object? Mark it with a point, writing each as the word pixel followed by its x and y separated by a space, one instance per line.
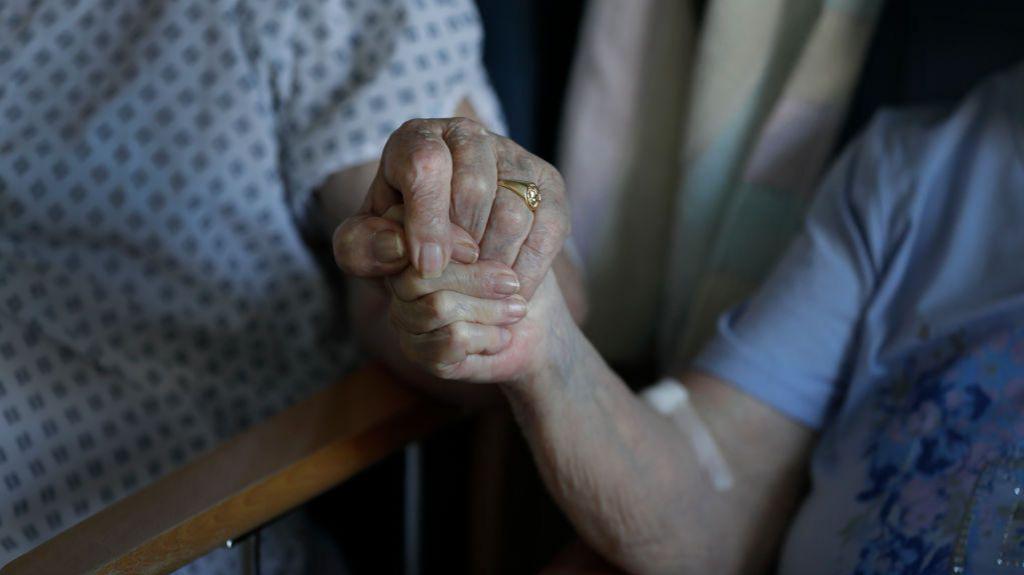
pixel 669 398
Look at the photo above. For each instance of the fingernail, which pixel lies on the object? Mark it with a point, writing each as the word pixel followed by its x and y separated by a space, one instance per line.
pixel 516 306
pixel 387 247
pixel 466 253
pixel 431 260
pixel 506 336
pixel 506 284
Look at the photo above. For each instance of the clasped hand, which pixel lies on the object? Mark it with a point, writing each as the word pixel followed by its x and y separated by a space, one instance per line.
pixel 466 264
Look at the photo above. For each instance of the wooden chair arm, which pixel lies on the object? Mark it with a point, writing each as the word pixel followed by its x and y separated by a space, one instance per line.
pixel 249 480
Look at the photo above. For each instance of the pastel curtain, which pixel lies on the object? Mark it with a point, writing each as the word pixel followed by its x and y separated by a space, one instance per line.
pixel 619 154
pixel 691 153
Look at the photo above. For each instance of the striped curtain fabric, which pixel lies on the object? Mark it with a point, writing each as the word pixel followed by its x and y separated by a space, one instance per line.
pixel 691 151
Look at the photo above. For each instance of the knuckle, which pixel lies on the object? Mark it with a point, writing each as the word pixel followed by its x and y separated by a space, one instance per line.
pixel 426 160
pixel 566 226
pixel 507 145
pixel 533 255
pixel 413 287
pixel 511 221
pixel 475 184
pixel 462 122
pixel 459 335
pixel 439 368
pixel 445 370
pixel 552 175
pixel 461 308
pixel 436 304
pixel 414 125
pixel 467 128
pixel 407 285
pixel 549 236
pixel 551 181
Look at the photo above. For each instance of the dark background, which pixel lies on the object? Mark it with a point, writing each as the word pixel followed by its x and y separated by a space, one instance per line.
pixel 924 51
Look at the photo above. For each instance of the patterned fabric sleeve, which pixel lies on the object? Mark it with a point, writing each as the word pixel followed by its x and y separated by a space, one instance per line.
pixel 789 344
pixel 346 73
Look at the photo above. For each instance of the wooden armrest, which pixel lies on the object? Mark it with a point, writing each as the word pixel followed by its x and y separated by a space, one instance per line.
pixel 249 480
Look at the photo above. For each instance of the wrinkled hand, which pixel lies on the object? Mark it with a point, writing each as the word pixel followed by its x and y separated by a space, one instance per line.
pixel 464 325
pixel 445 172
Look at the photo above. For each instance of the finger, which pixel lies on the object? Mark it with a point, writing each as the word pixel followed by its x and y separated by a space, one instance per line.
pixel 367 246
pixel 474 174
pixel 491 280
pixel 440 352
pixel 439 309
pixel 417 163
pixel 551 220
pixel 480 368
pixel 381 195
pixel 509 225
pixel 395 213
pixel 464 247
pixel 538 252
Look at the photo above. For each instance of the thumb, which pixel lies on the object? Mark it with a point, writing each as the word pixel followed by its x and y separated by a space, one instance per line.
pixel 368 246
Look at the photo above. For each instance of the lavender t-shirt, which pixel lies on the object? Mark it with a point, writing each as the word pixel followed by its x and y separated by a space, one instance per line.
pixel 895 325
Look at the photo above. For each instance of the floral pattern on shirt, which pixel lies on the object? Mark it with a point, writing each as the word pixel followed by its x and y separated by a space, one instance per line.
pixel 952 417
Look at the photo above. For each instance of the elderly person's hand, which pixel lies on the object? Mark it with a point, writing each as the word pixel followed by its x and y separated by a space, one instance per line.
pixel 445 172
pixel 464 325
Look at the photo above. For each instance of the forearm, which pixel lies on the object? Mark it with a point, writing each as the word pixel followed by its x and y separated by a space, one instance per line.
pixel 629 482
pixel 605 459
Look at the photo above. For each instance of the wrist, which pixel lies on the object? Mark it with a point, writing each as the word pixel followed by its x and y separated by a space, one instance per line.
pixel 563 356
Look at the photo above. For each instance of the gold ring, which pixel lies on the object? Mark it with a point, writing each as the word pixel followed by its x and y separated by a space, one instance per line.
pixel 526 190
